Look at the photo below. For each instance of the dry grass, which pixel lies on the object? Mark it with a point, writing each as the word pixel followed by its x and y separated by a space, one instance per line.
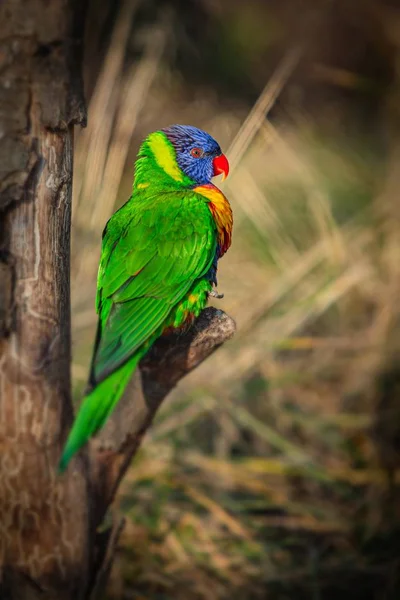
pixel 274 465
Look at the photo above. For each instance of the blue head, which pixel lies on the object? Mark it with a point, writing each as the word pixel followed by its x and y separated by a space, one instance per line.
pixel 197 153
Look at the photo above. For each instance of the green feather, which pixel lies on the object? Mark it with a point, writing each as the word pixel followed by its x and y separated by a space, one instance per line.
pixel 96 408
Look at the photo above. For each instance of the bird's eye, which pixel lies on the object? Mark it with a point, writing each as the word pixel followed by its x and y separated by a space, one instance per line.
pixel 196 152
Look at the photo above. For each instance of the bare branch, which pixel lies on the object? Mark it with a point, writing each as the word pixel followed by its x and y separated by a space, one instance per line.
pixel 171 358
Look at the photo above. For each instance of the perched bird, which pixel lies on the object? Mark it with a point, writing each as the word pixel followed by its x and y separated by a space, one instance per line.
pixel 158 263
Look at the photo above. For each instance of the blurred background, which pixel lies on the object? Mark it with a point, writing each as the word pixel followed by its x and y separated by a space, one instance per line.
pixel 272 470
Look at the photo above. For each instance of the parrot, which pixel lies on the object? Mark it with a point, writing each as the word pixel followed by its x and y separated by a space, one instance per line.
pixel 158 264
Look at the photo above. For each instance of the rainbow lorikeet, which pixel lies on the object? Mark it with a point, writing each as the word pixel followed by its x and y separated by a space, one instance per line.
pixel 158 263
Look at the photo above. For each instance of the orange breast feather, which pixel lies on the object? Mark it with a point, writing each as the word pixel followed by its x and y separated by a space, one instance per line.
pixel 222 213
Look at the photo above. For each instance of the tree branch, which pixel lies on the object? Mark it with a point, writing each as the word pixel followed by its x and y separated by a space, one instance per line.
pixel 171 358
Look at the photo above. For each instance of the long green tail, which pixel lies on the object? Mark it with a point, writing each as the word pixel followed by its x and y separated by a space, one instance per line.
pixel 96 407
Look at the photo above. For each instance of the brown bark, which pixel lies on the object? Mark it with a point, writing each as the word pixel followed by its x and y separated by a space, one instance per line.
pixel 49 547
pixel 43 542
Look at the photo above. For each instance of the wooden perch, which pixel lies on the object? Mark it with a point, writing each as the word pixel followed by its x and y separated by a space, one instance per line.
pixel 170 359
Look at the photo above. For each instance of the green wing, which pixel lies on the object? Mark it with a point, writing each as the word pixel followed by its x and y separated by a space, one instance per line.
pixel 153 251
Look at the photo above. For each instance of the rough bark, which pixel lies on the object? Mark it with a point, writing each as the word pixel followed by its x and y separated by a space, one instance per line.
pixel 43 519
pixel 49 541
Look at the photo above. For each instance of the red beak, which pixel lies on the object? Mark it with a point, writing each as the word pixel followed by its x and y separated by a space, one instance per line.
pixel 221 165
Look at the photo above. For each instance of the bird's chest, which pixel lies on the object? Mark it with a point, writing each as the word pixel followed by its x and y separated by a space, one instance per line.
pixel 221 212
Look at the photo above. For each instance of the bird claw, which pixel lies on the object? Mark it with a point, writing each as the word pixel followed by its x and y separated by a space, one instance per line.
pixel 214 294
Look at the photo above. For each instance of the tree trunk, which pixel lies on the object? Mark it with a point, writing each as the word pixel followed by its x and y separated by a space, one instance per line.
pixel 49 547
pixel 44 519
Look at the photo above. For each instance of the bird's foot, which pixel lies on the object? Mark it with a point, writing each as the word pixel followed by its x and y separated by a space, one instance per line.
pixel 214 294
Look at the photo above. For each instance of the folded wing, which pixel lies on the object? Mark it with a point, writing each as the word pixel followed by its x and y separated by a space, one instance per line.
pixel 152 254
